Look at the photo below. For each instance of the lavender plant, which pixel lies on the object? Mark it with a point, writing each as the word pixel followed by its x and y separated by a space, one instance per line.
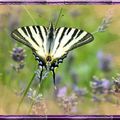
pixel 68 103
pixel 75 13
pixel 101 89
pixel 100 86
pixel 105 61
pixel 116 85
pixel 105 22
pixel 37 102
pixel 39 108
pixel 13 21
pixel 70 61
pixel 18 55
pixel 75 81
pixel 33 95
pixel 75 78
pixel 80 92
pixel 62 91
pixel 40 12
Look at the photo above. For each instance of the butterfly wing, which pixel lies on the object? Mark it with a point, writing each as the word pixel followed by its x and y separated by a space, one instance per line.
pixel 67 39
pixel 34 37
pixel 56 43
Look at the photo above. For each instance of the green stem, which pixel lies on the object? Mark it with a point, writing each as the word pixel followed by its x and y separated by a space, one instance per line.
pixel 38 90
pixel 25 92
pixel 29 14
pixel 31 106
pixel 58 17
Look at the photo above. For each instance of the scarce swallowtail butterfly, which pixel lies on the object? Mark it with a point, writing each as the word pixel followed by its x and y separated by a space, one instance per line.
pixel 51 45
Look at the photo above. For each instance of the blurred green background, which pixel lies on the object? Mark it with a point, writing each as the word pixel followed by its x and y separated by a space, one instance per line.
pixel 81 64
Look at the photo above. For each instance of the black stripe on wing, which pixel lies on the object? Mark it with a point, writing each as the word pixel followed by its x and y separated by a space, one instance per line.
pixel 68 39
pixel 62 35
pixel 45 29
pixel 31 36
pixel 40 33
pixel 69 29
pixel 72 37
pixel 78 34
pixel 28 33
pixel 34 27
pixel 86 39
pixel 17 36
pixel 57 31
pixel 24 30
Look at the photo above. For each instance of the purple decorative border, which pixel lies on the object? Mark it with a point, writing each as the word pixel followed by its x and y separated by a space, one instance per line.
pixel 66 117
pixel 20 2
pixel 82 117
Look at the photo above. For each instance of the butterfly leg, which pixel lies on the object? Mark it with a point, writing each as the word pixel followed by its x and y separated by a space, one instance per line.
pixel 54 78
pixel 41 75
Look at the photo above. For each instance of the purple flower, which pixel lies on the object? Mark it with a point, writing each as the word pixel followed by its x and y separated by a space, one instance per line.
pixel 55 16
pixel 101 86
pixel 68 103
pixel 58 79
pixel 75 78
pixel 106 21
pixel 116 84
pixel 96 82
pixel 70 61
pixel 79 91
pixel 62 92
pixel 106 84
pixel 75 13
pixel 32 95
pixel 13 20
pixel 96 99
pixel 105 61
pixel 40 11
pixel 18 54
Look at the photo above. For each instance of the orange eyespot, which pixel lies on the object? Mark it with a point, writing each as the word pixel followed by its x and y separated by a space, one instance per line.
pixel 48 58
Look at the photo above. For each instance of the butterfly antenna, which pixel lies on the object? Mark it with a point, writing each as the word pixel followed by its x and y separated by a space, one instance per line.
pixel 51 25
pixel 54 79
pixel 58 17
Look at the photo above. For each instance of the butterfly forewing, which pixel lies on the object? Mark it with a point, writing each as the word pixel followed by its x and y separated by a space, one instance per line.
pixel 67 39
pixel 34 37
pixel 55 42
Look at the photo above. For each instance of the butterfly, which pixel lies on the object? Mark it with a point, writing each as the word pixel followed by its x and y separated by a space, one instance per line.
pixel 51 45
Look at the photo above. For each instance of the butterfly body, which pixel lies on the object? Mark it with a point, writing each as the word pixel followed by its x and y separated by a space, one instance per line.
pixel 50 45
